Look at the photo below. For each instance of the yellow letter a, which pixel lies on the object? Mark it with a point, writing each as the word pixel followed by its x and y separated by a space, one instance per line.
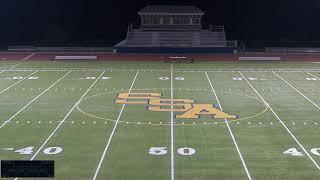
pixel 205 109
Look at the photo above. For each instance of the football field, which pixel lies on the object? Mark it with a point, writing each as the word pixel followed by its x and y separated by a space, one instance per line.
pixel 161 121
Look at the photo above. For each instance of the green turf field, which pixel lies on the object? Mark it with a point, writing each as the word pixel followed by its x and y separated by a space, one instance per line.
pixel 67 112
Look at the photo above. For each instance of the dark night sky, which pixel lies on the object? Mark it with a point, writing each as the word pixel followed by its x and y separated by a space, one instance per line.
pixel 107 20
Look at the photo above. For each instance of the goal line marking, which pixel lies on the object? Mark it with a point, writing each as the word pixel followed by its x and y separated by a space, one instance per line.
pixel 113 131
pixel 230 131
pixel 283 124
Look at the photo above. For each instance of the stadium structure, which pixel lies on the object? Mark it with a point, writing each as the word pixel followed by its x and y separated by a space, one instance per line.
pixel 174 29
pixel 88 113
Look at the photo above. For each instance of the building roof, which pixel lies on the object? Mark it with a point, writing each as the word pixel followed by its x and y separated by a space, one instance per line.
pixel 169 9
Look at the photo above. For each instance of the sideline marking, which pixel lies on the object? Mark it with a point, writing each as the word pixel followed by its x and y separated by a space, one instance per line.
pixel 230 131
pixel 24 59
pixel 297 90
pixel 172 127
pixel 67 115
pixel 33 100
pixel 17 82
pixel 12 67
pixel 112 133
pixel 164 70
pixel 288 130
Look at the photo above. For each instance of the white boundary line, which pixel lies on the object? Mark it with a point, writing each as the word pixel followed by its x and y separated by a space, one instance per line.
pixel 172 127
pixel 4 70
pixel 33 100
pixel 296 90
pixel 288 130
pixel 24 59
pixel 28 57
pixel 230 131
pixel 66 116
pixel 112 133
pixel 163 70
pixel 17 82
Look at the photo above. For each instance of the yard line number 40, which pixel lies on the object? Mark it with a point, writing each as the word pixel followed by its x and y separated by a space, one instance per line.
pixel 48 151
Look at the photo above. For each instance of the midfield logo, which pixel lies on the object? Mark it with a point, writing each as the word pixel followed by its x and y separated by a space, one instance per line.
pixel 187 106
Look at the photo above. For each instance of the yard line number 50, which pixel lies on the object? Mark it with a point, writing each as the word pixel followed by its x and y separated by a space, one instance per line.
pixel 159 151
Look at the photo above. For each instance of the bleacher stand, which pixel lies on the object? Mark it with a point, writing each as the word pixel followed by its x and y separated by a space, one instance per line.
pixel 174 29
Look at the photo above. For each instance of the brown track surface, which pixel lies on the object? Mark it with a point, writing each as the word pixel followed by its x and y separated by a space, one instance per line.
pixel 8 56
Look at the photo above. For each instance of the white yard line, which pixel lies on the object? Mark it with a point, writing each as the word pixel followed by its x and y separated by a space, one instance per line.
pixel 24 59
pixel 28 57
pixel 33 100
pixel 113 131
pixel 63 120
pixel 17 82
pixel 172 125
pixel 288 130
pixel 14 65
pixel 66 116
pixel 297 90
pixel 313 76
pixel 11 67
pixel 230 131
